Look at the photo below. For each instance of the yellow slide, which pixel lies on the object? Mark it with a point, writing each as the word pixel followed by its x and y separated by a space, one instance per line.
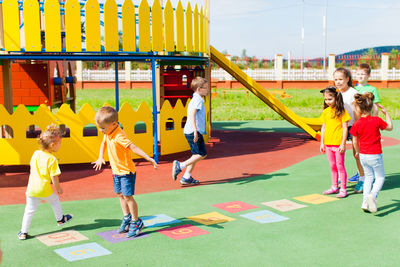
pixel 309 125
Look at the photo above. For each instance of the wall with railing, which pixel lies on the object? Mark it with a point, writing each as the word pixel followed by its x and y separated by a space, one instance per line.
pixel 82 139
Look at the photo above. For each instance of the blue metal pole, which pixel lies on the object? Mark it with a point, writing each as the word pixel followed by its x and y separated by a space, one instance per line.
pixel 116 87
pixel 155 124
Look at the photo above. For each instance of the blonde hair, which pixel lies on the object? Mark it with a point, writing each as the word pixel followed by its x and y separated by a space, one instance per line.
pixel 106 115
pixel 365 102
pixel 49 136
pixel 198 82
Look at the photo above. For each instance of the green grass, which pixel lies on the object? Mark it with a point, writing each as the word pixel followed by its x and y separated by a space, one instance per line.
pixel 234 106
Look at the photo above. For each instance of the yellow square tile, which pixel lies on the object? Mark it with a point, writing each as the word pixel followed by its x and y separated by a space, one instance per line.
pixel 210 218
pixel 315 199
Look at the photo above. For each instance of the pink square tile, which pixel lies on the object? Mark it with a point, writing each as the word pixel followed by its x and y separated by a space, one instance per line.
pixel 182 231
pixel 234 206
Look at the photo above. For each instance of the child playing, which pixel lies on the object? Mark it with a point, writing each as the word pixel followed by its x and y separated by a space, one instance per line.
pixel 344 82
pixel 363 73
pixel 367 140
pixel 194 129
pixel 44 170
pixel 123 169
pixel 333 138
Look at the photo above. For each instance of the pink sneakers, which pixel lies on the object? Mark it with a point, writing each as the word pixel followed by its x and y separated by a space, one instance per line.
pixel 332 190
pixel 342 193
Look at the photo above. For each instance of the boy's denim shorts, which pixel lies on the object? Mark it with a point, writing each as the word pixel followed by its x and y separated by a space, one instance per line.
pixel 199 147
pixel 125 184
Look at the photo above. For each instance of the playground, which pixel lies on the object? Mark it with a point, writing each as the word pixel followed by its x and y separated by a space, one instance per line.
pixel 260 199
pixel 288 167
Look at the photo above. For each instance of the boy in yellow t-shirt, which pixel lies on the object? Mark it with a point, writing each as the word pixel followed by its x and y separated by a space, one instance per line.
pixel 119 149
pixel 44 170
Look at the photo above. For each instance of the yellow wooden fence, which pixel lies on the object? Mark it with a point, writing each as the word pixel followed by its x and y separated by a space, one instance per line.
pixel 159 29
pixel 18 147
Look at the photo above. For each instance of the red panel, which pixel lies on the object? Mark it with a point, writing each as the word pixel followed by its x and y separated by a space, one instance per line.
pixel 30 101
pixel 44 100
pixel 36 92
pixel 15 84
pixel 20 92
pixel 16 100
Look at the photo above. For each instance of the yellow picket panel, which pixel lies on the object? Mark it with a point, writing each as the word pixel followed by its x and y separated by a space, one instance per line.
pixel 144 27
pixel 73 32
pixel 180 28
pixel 12 40
pixel 169 27
pixel 92 25
pixel 207 33
pixel 172 140
pixel 156 26
pixel 202 33
pixel 52 24
pixel 189 28
pixel 128 27
pixel 111 42
pixel 32 26
pixel 196 29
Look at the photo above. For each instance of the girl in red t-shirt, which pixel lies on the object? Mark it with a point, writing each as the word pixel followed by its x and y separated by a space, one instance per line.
pixel 367 140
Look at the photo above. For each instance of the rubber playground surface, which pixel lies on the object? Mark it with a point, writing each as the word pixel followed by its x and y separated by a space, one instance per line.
pixel 259 203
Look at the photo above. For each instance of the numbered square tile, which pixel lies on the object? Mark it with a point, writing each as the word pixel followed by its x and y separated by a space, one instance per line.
pixel 234 206
pixel 210 218
pixel 158 220
pixel 284 205
pixel 182 231
pixel 264 216
pixel 81 252
pixel 60 238
pixel 315 199
pixel 114 237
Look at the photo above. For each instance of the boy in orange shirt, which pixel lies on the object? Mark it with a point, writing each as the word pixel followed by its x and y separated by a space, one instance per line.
pixel 119 149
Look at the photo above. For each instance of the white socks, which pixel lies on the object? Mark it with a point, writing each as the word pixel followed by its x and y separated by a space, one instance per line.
pixel 182 165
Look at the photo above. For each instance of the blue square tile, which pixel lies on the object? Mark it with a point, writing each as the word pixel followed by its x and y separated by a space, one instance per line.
pixel 81 252
pixel 158 220
pixel 264 216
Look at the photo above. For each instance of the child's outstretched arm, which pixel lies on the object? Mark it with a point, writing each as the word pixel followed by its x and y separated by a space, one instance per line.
pixel 100 161
pixel 56 183
pixel 388 119
pixel 141 153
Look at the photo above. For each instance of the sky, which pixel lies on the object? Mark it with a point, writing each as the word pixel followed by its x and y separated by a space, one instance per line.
pixel 265 28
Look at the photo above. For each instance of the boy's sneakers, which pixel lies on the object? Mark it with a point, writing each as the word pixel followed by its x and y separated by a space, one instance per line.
pixel 190 180
pixel 22 236
pixel 359 187
pixel 371 200
pixel 176 169
pixel 331 191
pixel 354 179
pixel 364 206
pixel 125 224
pixel 342 193
pixel 134 228
pixel 66 218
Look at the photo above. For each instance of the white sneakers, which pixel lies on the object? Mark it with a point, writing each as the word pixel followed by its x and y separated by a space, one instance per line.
pixel 364 206
pixel 371 200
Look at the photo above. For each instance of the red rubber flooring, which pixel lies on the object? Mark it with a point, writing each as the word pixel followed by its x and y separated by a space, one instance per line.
pixel 231 155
